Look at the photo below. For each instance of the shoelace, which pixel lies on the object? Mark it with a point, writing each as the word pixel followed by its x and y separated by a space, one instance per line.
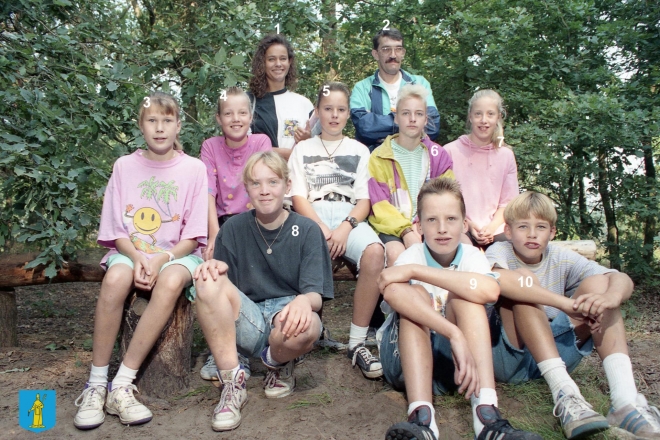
pixel 365 355
pixel 230 389
pixel 271 378
pixel 574 406
pixel 651 415
pixel 85 399
pixel 129 398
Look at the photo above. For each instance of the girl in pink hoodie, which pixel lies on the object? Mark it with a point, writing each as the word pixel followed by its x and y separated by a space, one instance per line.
pixel 485 167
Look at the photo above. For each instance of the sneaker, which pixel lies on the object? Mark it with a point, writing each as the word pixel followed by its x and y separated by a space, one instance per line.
pixel 577 416
pixel 280 382
pixel 495 427
pixel 368 363
pixel 90 403
pixel 371 338
pixel 642 420
pixel 326 341
pixel 210 370
pixel 122 403
pixel 417 426
pixel 227 414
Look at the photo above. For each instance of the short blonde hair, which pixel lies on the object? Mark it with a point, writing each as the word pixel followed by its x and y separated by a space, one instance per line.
pixel 234 91
pixel 412 91
pixel 530 203
pixel 272 160
pixel 440 186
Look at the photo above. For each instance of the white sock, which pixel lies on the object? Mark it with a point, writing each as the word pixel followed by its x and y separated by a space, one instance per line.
pixel 234 371
pixel 125 376
pixel 416 404
pixel 269 359
pixel 618 370
pixel 554 372
pixel 487 396
pixel 98 376
pixel 357 336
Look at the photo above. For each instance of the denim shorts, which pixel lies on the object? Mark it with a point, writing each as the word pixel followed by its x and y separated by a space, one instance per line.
pixel 255 321
pixel 443 363
pixel 514 365
pixel 332 214
pixel 190 262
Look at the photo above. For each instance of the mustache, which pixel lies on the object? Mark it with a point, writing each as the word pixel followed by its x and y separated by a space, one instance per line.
pixel 393 59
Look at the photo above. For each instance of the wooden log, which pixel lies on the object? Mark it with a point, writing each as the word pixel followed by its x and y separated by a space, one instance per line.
pixel 165 372
pixel 586 248
pixel 8 319
pixel 14 274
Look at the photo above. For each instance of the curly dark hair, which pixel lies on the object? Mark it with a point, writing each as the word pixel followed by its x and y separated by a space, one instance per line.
pixel 259 82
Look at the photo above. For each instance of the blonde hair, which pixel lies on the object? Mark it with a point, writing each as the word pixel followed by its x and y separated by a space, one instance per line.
pixel 234 91
pixel 530 203
pixel 272 160
pixel 412 91
pixel 168 106
pixel 498 134
pixel 439 186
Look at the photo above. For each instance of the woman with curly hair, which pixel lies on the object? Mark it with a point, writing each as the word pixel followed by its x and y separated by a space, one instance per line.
pixel 278 112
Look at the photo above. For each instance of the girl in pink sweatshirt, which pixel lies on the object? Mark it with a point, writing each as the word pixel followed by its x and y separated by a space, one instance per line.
pixel 485 167
pixel 154 221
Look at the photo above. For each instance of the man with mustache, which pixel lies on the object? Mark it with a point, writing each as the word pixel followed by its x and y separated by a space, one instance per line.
pixel 373 101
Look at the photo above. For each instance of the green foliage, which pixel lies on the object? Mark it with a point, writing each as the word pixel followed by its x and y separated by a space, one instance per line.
pixel 580 78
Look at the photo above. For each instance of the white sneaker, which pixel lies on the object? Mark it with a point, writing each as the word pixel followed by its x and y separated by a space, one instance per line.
pixel 642 420
pixel 279 381
pixel 577 417
pixel 90 413
pixel 122 403
pixel 227 414
pixel 210 370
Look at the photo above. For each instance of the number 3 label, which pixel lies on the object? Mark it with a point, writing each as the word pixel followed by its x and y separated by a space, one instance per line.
pixel 147 102
pixel 294 231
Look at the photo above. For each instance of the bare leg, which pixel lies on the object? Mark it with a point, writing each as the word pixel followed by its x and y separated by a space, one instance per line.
pixel 167 290
pixel 471 319
pixel 116 286
pixel 283 349
pixel 366 289
pixel 393 249
pixel 218 305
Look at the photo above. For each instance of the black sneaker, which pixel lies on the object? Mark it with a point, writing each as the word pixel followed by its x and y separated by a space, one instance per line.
pixel 495 427
pixel 368 363
pixel 417 427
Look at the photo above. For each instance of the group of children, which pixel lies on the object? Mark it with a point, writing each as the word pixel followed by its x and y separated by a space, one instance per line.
pixel 405 215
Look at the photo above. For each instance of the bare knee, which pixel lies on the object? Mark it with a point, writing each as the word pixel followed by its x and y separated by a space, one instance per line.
pixel 116 285
pixel 393 249
pixel 373 258
pixel 169 286
pixel 210 290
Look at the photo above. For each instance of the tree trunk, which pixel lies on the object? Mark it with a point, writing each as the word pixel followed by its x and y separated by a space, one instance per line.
pixel 8 319
pixel 166 370
pixel 14 274
pixel 329 40
pixel 650 222
pixel 610 217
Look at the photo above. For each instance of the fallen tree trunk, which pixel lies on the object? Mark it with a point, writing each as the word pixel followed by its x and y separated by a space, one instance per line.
pixel 165 372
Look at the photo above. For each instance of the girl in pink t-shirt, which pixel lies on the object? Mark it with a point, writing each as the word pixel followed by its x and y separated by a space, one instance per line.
pixel 154 223
pixel 486 168
pixel 225 157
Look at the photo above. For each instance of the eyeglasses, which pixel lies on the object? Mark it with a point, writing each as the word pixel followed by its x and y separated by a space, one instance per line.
pixel 389 49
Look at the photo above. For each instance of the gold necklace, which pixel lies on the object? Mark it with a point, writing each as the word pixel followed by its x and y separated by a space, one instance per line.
pixel 269 250
pixel 332 159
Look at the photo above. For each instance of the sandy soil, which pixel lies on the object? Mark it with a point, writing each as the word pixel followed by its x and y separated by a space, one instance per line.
pixel 332 400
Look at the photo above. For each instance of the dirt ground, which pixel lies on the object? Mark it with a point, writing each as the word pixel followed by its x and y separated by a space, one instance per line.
pixel 331 401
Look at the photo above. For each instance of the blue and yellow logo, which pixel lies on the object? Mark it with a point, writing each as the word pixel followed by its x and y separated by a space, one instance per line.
pixel 36 409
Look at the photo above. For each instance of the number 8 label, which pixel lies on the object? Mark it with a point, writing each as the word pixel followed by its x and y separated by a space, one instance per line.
pixel 294 231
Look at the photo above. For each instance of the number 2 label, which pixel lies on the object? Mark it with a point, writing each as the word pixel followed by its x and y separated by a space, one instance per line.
pixel 387 25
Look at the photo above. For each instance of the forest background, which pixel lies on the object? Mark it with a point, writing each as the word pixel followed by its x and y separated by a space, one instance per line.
pixel 580 79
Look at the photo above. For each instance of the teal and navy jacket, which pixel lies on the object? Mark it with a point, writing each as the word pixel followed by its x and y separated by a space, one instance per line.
pixel 371 114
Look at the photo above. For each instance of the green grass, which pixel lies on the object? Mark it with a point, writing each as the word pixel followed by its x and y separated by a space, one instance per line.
pixel 322 399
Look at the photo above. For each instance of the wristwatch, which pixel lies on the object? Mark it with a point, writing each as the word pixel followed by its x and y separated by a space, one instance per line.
pixel 170 255
pixel 352 220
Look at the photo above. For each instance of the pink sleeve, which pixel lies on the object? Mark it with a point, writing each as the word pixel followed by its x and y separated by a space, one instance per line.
pixel 263 143
pixel 194 225
pixel 112 223
pixel 510 184
pixel 208 157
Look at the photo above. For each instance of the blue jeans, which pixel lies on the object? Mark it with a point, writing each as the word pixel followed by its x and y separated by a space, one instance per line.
pixel 515 365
